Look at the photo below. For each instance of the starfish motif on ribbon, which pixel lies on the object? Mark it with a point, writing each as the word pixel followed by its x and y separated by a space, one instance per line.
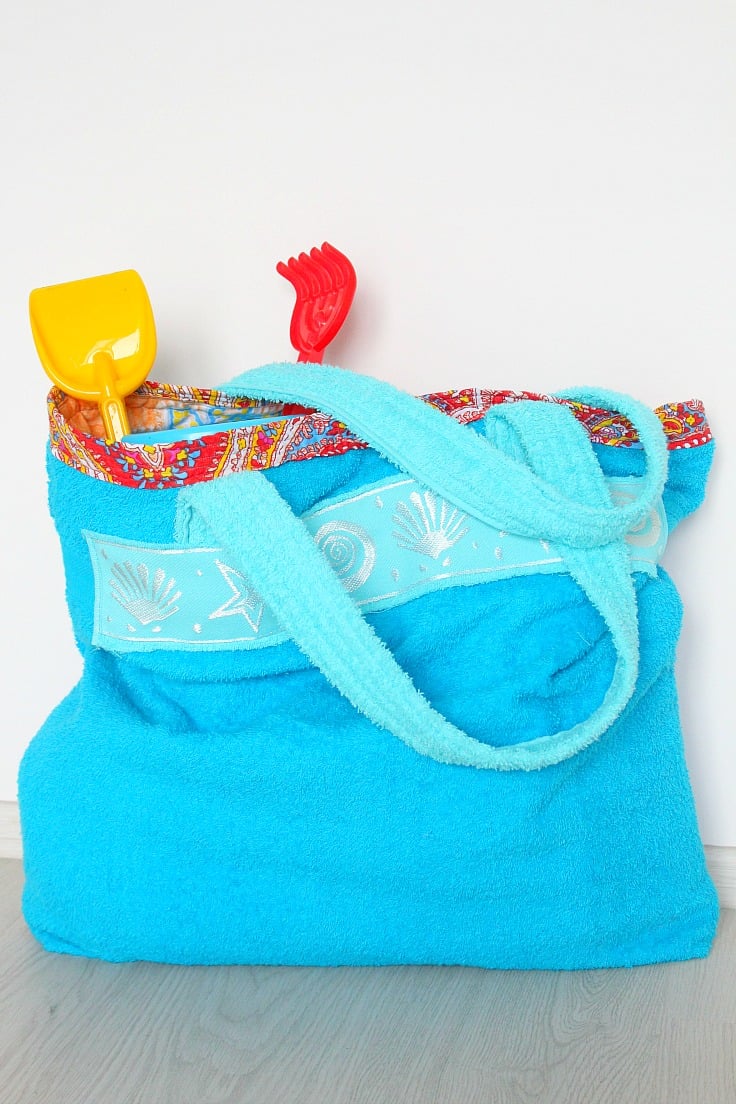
pixel 245 599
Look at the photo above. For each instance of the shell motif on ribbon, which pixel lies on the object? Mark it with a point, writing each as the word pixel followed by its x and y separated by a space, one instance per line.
pixel 144 597
pixel 427 525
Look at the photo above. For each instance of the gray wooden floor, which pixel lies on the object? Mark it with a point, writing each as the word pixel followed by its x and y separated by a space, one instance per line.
pixel 74 1031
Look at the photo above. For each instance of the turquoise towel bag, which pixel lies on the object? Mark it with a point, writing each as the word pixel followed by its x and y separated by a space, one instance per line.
pixel 370 679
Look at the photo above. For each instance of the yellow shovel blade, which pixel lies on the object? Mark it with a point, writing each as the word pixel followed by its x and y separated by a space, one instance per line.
pixel 97 340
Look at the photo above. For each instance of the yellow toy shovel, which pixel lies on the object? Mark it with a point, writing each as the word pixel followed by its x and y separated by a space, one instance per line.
pixel 97 340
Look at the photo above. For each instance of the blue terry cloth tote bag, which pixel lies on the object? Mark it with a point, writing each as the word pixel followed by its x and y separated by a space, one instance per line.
pixel 370 679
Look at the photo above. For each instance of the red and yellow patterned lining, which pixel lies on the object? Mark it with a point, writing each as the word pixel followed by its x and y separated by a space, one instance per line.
pixel 77 436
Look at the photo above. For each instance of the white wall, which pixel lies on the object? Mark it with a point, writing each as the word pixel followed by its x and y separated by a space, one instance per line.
pixel 534 195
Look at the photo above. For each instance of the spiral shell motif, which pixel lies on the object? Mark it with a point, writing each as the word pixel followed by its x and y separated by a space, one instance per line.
pixel 349 551
pixel 647 532
pixel 649 529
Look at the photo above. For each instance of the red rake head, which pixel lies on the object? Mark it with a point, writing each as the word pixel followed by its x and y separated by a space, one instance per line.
pixel 325 282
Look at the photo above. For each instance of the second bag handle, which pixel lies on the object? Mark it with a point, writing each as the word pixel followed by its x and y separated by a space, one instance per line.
pixel 257 528
pixel 458 465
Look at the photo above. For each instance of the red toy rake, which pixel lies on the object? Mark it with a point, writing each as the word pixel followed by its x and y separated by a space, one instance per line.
pixel 325 282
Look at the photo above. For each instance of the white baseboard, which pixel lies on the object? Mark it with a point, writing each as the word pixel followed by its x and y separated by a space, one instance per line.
pixel 722 866
pixel 721 860
pixel 10 845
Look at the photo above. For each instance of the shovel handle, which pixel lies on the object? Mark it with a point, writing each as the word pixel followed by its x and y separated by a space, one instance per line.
pixel 112 405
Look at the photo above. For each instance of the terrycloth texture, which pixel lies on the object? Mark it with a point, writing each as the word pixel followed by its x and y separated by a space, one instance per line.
pixel 288 571
pixel 241 810
pixel 441 454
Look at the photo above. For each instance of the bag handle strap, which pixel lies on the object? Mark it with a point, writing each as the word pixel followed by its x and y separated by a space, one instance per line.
pixel 281 560
pixel 441 454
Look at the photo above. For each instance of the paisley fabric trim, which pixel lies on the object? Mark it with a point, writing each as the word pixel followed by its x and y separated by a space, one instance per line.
pixel 77 436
